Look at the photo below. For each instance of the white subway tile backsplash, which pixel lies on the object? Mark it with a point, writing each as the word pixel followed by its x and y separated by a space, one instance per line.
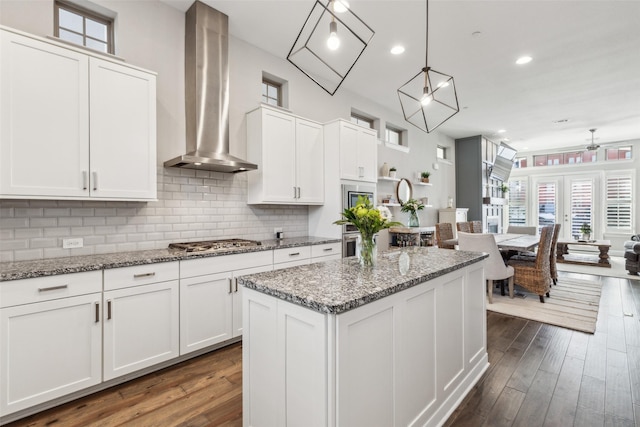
pixel 191 205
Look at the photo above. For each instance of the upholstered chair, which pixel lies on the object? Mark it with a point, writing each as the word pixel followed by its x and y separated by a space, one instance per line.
pixel 521 229
pixel 494 267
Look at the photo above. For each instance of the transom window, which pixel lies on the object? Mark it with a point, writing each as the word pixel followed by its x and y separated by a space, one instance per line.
pixel 520 162
pixel 569 158
pixel 441 152
pixel 619 153
pixel 271 93
pixel 362 121
pixel 393 136
pixel 84 28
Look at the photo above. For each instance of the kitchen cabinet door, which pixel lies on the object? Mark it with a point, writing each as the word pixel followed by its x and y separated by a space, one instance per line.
pixel 309 162
pixel 44 125
pixel 237 296
pixel 358 153
pixel 49 349
pixel 123 132
pixel 141 327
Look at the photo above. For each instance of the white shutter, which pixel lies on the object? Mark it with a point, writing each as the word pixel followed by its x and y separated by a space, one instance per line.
pixel 619 207
pixel 581 205
pixel 547 203
pixel 518 201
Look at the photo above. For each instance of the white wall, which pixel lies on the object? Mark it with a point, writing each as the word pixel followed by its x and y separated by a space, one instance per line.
pixel 150 34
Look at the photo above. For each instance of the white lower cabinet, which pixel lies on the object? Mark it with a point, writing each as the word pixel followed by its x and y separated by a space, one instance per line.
pixel 211 299
pixel 141 319
pixel 50 338
pixel 291 257
pixel 326 252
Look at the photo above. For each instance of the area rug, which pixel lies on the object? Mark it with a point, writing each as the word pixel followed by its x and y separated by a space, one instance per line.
pixel 573 304
pixel 616 270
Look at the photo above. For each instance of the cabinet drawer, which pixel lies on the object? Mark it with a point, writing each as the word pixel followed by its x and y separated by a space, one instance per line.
pixel 220 264
pixel 124 277
pixel 326 249
pixel 40 289
pixel 291 254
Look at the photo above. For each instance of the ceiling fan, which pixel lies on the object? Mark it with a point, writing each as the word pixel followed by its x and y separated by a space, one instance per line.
pixel 593 146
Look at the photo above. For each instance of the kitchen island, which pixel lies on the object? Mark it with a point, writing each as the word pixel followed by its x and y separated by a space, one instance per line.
pixel 337 344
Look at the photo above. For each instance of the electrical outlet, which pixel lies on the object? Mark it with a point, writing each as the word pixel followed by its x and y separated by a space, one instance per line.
pixel 72 243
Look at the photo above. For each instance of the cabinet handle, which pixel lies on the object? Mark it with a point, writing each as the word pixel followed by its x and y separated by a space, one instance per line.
pixel 108 309
pixel 298 192
pixel 360 171
pixel 53 288
pixel 84 180
pixel 327 249
pixel 294 192
pixel 97 312
pixel 95 181
pixel 230 285
pixel 236 287
pixel 137 276
pixel 294 254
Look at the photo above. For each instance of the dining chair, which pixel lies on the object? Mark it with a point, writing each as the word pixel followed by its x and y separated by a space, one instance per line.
pixel 494 267
pixel 465 227
pixel 521 229
pixel 444 231
pixel 534 273
pixel 476 226
pixel 530 256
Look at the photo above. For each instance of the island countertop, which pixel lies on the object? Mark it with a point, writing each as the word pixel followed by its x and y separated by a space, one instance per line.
pixel 341 285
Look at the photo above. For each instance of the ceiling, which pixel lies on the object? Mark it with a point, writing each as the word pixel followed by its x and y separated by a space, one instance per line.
pixel 585 70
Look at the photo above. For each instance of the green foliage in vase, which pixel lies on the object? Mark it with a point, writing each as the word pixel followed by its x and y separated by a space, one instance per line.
pixel 365 218
pixel 412 206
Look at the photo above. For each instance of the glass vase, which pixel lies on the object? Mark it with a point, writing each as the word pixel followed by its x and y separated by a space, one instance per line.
pixel 414 221
pixel 368 250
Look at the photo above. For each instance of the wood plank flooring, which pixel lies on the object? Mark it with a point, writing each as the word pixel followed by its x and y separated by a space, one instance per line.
pixel 540 375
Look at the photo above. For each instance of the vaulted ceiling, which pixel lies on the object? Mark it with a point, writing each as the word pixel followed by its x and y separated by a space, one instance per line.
pixel 585 71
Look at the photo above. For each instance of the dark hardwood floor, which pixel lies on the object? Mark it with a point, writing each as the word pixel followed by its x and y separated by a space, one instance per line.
pixel 540 375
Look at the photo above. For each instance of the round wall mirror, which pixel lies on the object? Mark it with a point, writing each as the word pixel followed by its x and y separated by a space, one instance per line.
pixel 404 191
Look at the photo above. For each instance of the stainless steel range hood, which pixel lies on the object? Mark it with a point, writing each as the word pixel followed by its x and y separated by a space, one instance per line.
pixel 207 93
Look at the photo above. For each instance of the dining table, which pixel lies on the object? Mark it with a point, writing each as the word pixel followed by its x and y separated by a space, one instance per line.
pixel 517 242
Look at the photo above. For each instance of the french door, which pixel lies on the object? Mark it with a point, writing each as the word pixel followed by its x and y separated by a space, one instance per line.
pixel 568 200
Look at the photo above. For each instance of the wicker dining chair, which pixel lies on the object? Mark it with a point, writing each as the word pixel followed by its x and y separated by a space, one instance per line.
pixel 530 256
pixel 465 227
pixel 476 226
pixel 534 275
pixel 444 231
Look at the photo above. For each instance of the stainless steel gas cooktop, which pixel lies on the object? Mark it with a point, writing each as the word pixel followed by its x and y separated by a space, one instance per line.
pixel 213 245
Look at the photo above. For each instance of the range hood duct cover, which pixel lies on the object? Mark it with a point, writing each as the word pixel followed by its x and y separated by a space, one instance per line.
pixel 207 93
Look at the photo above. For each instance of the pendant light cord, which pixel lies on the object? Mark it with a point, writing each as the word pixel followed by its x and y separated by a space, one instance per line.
pixel 426 38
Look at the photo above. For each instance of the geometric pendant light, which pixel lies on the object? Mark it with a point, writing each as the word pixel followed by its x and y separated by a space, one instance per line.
pixel 329 44
pixel 429 99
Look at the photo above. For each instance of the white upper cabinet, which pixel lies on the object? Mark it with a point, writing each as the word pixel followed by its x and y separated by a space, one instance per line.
pixel 289 152
pixel 358 152
pixel 74 126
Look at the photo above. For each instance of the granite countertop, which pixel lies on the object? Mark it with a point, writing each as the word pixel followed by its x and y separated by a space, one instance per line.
pixel 341 285
pixel 75 264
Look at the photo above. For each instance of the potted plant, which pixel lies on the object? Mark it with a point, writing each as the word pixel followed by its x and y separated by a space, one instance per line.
pixel 392 172
pixel 425 176
pixel 585 229
pixel 505 189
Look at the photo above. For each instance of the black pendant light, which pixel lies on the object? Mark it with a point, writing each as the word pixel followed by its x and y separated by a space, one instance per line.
pixel 329 44
pixel 429 99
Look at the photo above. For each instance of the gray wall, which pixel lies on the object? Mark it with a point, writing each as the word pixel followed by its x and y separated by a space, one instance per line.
pixel 208 205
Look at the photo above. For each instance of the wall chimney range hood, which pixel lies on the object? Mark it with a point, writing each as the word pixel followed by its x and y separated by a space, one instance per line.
pixel 207 93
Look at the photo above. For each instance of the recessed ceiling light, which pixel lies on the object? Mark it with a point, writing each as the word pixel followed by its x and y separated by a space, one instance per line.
pixel 523 60
pixel 506 139
pixel 501 131
pixel 397 50
pixel 340 6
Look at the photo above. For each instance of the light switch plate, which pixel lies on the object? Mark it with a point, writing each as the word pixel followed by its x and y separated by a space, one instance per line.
pixel 72 243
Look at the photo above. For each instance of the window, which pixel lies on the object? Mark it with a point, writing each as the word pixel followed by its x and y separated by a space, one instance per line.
pixel 619 153
pixel 618 209
pixel 441 152
pixel 362 121
pixel 570 158
pixel 518 202
pixel 520 163
pixel 393 136
pixel 581 205
pixel 83 27
pixel 271 93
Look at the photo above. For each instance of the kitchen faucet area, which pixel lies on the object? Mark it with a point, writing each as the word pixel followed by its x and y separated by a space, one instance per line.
pixel 249 213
